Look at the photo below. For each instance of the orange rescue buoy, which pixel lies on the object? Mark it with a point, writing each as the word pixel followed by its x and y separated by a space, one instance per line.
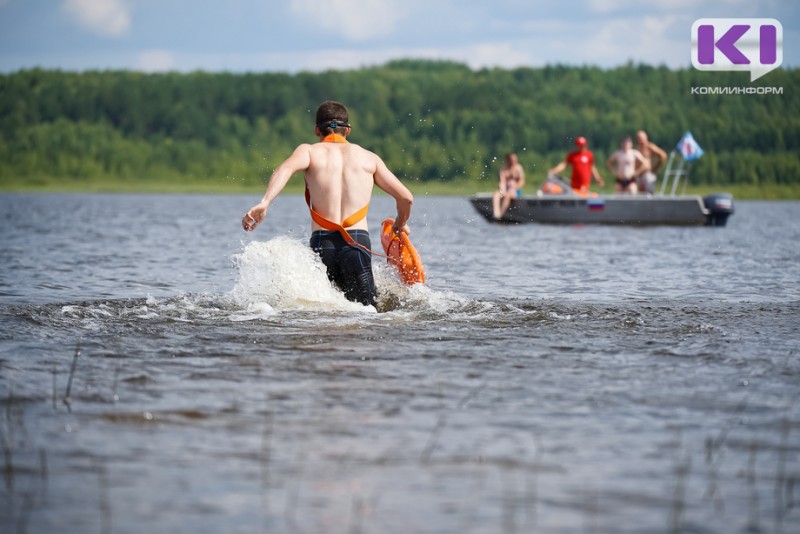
pixel 402 254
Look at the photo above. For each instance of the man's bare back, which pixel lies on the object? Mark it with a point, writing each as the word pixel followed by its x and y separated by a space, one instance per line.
pixel 340 177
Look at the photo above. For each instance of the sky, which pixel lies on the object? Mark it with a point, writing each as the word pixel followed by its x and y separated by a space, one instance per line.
pixel 317 35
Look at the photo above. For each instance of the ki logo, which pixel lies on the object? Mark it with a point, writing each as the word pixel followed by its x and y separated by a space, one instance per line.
pixel 753 45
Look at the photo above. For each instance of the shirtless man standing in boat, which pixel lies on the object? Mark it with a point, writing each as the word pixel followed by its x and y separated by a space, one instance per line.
pixel 339 177
pixel 626 164
pixel 511 180
pixel 646 180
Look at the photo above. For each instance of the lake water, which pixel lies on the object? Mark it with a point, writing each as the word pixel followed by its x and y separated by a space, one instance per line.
pixel 163 371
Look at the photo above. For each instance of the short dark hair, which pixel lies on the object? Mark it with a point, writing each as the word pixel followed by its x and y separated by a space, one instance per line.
pixel 332 117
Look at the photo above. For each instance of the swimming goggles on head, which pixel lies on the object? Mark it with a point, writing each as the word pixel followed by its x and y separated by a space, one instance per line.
pixel 333 124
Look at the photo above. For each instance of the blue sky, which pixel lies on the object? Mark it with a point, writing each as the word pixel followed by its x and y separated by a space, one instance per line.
pixel 314 35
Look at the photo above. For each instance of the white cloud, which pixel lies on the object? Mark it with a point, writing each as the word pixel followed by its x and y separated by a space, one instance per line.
pixel 476 55
pixel 357 33
pixel 641 39
pixel 479 55
pixel 669 6
pixel 352 20
pixel 155 61
pixel 654 40
pixel 105 17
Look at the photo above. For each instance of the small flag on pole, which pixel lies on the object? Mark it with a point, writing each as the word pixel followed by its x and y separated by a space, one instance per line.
pixel 689 148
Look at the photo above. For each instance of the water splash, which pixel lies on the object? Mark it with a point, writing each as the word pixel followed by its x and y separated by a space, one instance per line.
pixel 284 273
pixel 280 276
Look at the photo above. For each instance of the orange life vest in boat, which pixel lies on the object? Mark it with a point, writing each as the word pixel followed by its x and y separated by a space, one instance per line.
pixel 551 188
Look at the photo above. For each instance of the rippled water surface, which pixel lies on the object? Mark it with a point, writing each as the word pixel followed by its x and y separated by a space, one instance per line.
pixel 163 371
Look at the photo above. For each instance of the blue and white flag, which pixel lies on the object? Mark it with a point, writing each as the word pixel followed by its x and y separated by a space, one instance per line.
pixel 689 148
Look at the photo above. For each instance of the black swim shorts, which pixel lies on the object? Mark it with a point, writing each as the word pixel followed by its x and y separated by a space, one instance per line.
pixel 350 268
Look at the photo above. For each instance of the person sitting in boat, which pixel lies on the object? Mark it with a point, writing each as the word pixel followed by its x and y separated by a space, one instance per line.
pixel 646 181
pixel 626 163
pixel 511 181
pixel 583 168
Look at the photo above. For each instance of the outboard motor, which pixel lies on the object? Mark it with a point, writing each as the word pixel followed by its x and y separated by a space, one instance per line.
pixel 719 206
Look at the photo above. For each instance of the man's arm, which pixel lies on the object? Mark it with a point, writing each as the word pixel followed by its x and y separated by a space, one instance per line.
pixel 597 177
pixel 660 155
pixel 298 161
pixel 558 168
pixel 610 162
pixel 638 168
pixel 387 181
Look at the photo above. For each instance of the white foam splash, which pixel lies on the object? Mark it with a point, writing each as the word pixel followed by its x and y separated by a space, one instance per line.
pixel 285 273
pixel 394 295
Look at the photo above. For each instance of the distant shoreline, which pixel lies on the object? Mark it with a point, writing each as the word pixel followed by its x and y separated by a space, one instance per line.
pixel 430 121
pixel 441 188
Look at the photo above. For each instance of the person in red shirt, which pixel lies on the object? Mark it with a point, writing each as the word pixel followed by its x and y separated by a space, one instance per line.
pixel 583 168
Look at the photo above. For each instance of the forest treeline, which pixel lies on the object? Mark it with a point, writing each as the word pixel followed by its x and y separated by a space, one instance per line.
pixel 430 120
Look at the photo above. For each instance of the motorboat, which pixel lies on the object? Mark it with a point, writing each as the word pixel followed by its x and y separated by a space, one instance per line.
pixel 642 210
pixel 555 202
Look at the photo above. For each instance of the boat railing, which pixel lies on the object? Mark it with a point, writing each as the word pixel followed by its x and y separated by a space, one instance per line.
pixel 676 171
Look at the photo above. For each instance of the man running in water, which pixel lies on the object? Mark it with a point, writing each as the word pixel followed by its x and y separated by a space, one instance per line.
pixel 511 179
pixel 646 180
pixel 339 177
pixel 626 164
pixel 583 168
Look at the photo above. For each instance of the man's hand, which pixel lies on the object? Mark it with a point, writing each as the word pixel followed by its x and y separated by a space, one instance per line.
pixel 405 229
pixel 253 217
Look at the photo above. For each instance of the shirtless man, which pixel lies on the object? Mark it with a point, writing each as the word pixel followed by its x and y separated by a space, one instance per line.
pixel 626 164
pixel 339 178
pixel 511 180
pixel 646 181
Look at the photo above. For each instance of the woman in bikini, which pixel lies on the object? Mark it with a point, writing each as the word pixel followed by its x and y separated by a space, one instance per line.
pixel 511 180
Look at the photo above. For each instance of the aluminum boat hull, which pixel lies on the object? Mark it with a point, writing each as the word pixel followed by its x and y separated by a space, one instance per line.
pixel 609 209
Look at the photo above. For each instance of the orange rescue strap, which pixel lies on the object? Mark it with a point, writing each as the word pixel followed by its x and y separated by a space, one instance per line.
pixel 349 221
pixel 332 226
